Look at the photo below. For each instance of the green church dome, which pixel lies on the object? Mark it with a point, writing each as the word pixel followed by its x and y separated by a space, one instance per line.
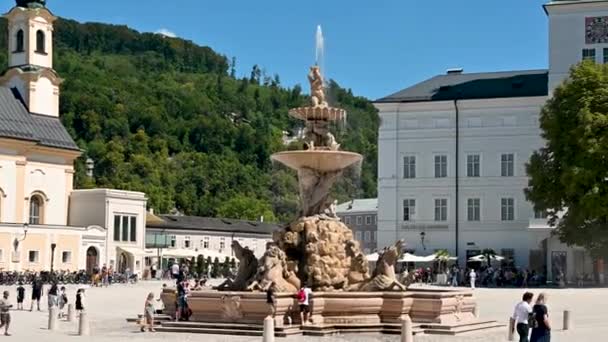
pixel 31 3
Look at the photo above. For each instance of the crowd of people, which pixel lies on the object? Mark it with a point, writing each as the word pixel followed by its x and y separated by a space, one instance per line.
pixel 57 297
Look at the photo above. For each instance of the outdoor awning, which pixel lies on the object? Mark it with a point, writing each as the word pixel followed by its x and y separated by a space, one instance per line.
pixel 180 253
pixel 134 251
pixel 407 257
pixel 482 258
pixel 213 254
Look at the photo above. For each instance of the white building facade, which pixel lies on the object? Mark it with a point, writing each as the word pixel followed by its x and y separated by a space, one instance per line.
pixel 453 150
pixel 361 216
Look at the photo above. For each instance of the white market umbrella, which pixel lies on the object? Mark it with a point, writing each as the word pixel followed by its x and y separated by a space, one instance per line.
pixel 372 257
pixel 482 258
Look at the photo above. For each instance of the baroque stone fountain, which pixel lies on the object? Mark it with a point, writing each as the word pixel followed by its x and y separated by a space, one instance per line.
pixel 318 250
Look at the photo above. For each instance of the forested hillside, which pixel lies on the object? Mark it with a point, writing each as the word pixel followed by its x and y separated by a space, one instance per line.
pixel 170 118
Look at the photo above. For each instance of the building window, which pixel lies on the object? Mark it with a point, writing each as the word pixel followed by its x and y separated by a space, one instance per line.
pixel 589 55
pixel 36 209
pixel 409 209
pixel 473 209
pixel 509 255
pixel 473 161
pixel 507 209
pixel 441 209
pixel 222 244
pixel 173 242
pixel 507 161
pixel 358 236
pixel 409 167
pixel 125 228
pixel 186 242
pixel 373 236
pixel 605 55
pixel 206 242
pixel 66 257
pixel 441 166
pixel 375 219
pixel 540 214
pixel 367 236
pixel 359 220
pixel 368 220
pixel 347 220
pixel 19 41
pixel 40 42
pixel 34 256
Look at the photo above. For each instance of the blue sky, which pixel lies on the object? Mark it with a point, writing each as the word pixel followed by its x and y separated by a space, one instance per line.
pixel 375 47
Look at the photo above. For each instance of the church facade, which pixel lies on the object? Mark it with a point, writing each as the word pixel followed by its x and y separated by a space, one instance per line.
pixel 43 222
pixel 453 149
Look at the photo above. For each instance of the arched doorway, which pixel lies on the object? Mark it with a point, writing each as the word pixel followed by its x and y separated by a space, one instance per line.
pixel 123 262
pixel 92 259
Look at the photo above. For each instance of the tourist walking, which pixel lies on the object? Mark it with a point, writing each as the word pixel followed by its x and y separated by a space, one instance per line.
pixel 5 315
pixel 304 300
pixel 521 315
pixel 20 296
pixel 270 299
pixel 541 331
pixel 36 293
pixel 174 271
pixel 80 300
pixel 148 314
pixel 52 296
pixel 454 276
pixel 62 300
pixel 105 277
pixel 472 278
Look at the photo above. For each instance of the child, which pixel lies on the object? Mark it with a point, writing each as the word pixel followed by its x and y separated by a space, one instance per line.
pixel 20 296
pixel 62 300
pixel 148 314
pixel 80 300
pixel 5 316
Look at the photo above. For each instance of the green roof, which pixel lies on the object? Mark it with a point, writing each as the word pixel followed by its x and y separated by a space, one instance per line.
pixel 461 86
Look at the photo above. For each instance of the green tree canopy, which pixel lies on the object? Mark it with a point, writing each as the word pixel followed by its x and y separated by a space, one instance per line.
pixel 246 208
pixel 569 175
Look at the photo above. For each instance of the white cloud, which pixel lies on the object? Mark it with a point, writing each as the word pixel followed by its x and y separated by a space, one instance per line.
pixel 166 32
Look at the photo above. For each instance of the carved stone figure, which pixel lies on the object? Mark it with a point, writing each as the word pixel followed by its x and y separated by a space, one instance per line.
pixel 359 267
pixel 317 136
pixel 384 278
pixel 316 87
pixel 231 308
pixel 248 266
pixel 273 269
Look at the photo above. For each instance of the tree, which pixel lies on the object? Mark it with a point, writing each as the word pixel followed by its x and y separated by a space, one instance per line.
pixel 200 265
pixel 226 267
pixel 215 271
pixel 246 208
pixel 442 256
pixel 569 175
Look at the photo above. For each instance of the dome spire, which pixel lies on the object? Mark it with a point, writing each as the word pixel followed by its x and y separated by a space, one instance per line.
pixel 31 3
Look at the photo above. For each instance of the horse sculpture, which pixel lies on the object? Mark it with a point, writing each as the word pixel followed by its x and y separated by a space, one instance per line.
pixel 274 270
pixel 248 265
pixel 384 277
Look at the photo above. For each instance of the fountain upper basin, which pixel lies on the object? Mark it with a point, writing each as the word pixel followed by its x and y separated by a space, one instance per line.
pixel 320 160
pixel 318 113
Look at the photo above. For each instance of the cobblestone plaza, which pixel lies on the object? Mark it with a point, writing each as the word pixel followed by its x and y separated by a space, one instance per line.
pixel 108 309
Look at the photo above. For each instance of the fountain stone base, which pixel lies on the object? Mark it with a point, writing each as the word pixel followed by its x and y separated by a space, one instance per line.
pixel 432 311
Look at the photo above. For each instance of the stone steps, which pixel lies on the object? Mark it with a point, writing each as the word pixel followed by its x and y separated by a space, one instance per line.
pixel 225 329
pixel 158 319
pixel 432 329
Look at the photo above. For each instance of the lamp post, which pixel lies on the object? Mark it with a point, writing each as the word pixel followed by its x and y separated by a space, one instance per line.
pixel 422 237
pixel 53 246
pixel 17 241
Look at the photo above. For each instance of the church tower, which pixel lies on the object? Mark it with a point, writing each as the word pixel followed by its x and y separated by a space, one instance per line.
pixel 30 50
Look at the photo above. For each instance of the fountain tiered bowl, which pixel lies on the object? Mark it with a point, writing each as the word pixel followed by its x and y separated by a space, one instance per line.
pixel 318 113
pixel 319 160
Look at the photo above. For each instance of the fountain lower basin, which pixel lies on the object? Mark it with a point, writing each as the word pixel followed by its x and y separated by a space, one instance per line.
pixel 319 160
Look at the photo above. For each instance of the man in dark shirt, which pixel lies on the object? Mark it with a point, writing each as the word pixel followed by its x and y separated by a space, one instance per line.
pixel 36 293
pixel 271 300
pixel 20 296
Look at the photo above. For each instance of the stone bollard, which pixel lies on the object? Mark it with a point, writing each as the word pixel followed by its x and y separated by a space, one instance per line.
pixel 83 325
pixel 71 313
pixel 268 329
pixel 567 320
pixel 476 311
pixel 53 318
pixel 511 330
pixel 407 334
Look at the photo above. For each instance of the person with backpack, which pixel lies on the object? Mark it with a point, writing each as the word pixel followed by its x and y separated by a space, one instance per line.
pixel 62 300
pixel 522 317
pixel 304 302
